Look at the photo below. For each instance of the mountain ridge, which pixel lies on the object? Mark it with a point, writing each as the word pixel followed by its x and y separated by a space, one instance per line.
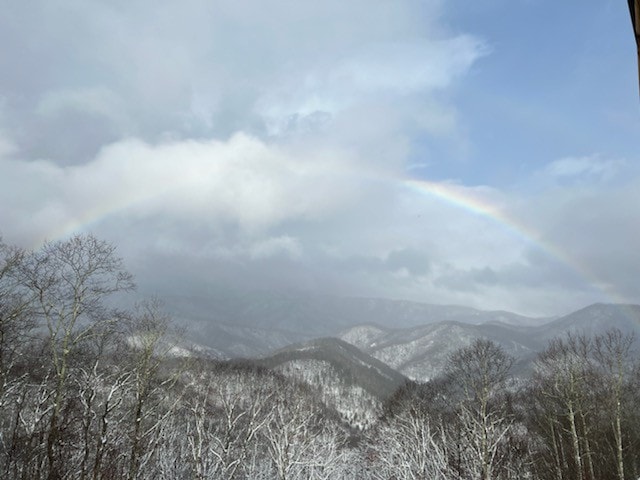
pixel 256 324
pixel 351 382
pixel 421 352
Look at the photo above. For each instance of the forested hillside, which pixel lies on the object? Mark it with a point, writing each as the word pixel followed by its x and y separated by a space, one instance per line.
pixel 88 391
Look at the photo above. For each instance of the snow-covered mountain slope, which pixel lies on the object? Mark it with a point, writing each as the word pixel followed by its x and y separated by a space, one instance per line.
pixel 421 353
pixel 346 379
pixel 353 365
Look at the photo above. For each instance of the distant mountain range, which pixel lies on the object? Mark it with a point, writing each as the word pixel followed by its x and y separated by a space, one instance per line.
pixel 412 338
pixel 257 323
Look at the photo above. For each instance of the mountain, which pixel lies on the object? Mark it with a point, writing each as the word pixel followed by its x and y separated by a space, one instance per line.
pixel 421 353
pixel 594 320
pixel 345 378
pixel 350 363
pixel 240 341
pixel 255 323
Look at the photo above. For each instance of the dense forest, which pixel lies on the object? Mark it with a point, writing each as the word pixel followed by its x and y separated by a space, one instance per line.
pixel 90 391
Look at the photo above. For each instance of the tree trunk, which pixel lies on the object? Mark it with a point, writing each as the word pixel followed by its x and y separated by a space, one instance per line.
pixel 577 458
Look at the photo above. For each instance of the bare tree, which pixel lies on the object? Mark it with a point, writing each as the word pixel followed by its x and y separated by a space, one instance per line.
pixel 100 385
pixel 16 318
pixel 565 377
pixel 480 370
pixel 410 448
pixel 152 340
pixel 226 409
pixel 611 352
pixel 299 437
pixel 70 282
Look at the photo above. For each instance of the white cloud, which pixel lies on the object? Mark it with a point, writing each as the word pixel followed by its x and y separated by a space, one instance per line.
pixel 592 167
pixel 243 182
pixel 379 70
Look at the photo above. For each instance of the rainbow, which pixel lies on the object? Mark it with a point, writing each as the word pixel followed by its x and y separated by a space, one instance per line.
pixel 477 204
pixel 90 216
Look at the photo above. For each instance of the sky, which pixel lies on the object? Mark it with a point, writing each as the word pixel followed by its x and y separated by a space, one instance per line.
pixel 451 152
